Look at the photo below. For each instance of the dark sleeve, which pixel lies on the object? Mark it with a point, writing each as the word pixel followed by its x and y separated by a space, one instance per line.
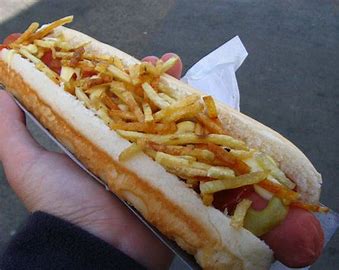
pixel 47 242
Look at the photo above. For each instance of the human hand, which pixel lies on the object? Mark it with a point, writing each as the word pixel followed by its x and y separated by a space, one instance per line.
pixel 51 182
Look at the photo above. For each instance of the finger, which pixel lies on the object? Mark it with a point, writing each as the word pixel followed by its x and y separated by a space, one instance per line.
pixel 176 70
pixel 15 140
pixel 151 59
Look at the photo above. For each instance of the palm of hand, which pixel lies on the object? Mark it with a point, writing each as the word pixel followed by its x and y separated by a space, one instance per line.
pixel 50 182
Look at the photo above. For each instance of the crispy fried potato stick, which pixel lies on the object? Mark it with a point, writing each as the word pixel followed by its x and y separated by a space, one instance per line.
pixel 49 28
pixel 27 34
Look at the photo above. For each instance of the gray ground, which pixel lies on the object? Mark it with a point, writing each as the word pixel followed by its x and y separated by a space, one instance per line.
pixel 289 81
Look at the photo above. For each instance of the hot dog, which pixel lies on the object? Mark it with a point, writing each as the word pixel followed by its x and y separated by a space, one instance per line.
pixel 120 117
pixel 297 241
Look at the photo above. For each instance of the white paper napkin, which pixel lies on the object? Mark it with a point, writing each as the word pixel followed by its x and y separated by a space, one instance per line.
pixel 215 73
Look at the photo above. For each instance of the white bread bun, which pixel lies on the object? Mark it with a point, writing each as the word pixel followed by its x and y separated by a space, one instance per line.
pixel 256 135
pixel 161 197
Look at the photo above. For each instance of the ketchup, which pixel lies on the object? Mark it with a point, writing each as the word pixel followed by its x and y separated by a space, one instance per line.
pixel 88 73
pixel 231 197
pixel 53 64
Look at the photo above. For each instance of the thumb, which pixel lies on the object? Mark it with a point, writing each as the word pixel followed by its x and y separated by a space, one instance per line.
pixel 16 144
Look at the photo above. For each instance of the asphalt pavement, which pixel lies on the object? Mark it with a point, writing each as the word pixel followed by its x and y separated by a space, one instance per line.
pixel 289 81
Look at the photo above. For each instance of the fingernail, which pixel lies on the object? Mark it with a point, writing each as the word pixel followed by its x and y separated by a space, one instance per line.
pixel 168 55
pixel 151 59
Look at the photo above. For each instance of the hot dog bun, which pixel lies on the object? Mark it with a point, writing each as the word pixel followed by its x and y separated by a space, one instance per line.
pixel 164 201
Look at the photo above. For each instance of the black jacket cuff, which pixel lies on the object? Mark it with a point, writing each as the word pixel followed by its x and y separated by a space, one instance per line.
pixel 47 242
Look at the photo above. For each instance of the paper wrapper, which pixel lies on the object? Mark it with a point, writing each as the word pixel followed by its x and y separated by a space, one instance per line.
pixel 215 75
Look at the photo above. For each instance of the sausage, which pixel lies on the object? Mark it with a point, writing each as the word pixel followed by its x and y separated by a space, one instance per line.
pixel 298 241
